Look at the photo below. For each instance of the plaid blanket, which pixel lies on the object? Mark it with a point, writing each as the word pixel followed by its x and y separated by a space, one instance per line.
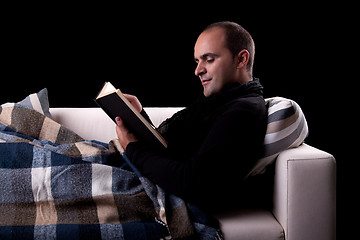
pixel 56 185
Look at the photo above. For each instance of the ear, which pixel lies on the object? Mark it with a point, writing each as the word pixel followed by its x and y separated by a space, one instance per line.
pixel 242 58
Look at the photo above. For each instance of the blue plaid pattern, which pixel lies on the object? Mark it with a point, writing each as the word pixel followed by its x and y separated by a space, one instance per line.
pixel 56 185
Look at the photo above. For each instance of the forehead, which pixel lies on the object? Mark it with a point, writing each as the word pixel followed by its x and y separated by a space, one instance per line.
pixel 210 41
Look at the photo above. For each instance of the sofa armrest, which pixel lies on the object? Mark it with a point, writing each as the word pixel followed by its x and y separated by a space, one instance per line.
pixel 305 193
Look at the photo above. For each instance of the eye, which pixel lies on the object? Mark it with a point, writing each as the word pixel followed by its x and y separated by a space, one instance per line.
pixel 210 60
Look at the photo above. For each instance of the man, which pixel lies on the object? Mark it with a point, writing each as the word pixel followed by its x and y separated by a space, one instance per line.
pixel 213 143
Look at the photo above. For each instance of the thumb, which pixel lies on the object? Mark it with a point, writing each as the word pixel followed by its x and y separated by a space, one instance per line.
pixel 120 124
pixel 118 121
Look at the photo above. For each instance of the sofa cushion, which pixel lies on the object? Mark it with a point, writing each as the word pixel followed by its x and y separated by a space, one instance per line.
pixel 89 123
pixel 160 114
pixel 249 224
pixel 287 128
pixel 36 101
pixel 94 124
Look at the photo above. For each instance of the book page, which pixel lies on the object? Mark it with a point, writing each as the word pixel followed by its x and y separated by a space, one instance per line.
pixel 107 89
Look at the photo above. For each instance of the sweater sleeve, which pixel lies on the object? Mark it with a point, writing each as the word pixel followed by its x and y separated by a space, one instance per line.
pixel 223 159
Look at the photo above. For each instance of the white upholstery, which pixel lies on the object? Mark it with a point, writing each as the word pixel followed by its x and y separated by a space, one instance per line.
pixel 304 191
pixel 94 124
pixel 250 224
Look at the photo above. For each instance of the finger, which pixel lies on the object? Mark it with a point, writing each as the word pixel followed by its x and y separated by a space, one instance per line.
pixel 134 101
pixel 120 125
pixel 118 121
pixel 129 97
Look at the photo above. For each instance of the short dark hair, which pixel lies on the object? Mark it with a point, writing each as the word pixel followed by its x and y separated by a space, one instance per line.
pixel 237 39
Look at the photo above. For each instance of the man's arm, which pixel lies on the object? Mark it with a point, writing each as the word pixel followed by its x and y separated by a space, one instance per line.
pixel 225 156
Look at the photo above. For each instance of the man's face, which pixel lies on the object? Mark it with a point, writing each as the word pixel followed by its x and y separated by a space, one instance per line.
pixel 215 64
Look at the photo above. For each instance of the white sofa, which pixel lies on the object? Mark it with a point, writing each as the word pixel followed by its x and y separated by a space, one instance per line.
pixel 304 184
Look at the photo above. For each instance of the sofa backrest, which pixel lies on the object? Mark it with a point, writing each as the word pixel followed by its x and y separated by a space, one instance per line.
pixel 287 126
pixel 94 124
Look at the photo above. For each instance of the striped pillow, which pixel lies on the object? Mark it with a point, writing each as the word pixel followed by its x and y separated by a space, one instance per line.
pixel 287 128
pixel 37 101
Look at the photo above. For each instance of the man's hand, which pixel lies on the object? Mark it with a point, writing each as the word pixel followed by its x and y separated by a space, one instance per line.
pixel 124 135
pixel 134 101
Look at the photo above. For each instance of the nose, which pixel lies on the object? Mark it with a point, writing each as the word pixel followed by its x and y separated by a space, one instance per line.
pixel 200 69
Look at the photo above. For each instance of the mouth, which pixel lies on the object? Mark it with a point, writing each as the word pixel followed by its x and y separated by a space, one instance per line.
pixel 205 81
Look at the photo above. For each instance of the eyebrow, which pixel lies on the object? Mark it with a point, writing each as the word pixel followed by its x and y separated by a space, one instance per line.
pixel 206 55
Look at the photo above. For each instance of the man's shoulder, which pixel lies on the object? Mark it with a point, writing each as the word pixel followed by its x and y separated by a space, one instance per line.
pixel 253 104
pixel 243 109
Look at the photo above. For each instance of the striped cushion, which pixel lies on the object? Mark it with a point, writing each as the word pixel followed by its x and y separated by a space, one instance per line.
pixel 287 128
pixel 37 101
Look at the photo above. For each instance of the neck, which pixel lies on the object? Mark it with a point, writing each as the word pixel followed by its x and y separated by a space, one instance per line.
pixel 245 77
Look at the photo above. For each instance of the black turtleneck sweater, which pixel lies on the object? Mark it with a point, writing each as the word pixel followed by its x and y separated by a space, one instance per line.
pixel 212 145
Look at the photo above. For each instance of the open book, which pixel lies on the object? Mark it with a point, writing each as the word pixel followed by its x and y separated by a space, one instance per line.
pixel 114 104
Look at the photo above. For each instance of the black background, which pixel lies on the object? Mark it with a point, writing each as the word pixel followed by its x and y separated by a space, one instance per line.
pixel 303 52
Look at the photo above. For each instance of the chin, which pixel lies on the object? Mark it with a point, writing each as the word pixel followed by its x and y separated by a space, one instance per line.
pixel 207 93
pixel 210 91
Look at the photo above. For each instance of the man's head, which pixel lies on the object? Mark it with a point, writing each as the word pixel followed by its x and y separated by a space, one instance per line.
pixel 224 53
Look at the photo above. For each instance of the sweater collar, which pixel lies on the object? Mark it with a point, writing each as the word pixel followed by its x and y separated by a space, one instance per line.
pixel 236 90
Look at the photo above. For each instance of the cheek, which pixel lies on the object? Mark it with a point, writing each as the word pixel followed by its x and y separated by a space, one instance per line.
pixel 215 70
pixel 220 75
pixel 227 73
